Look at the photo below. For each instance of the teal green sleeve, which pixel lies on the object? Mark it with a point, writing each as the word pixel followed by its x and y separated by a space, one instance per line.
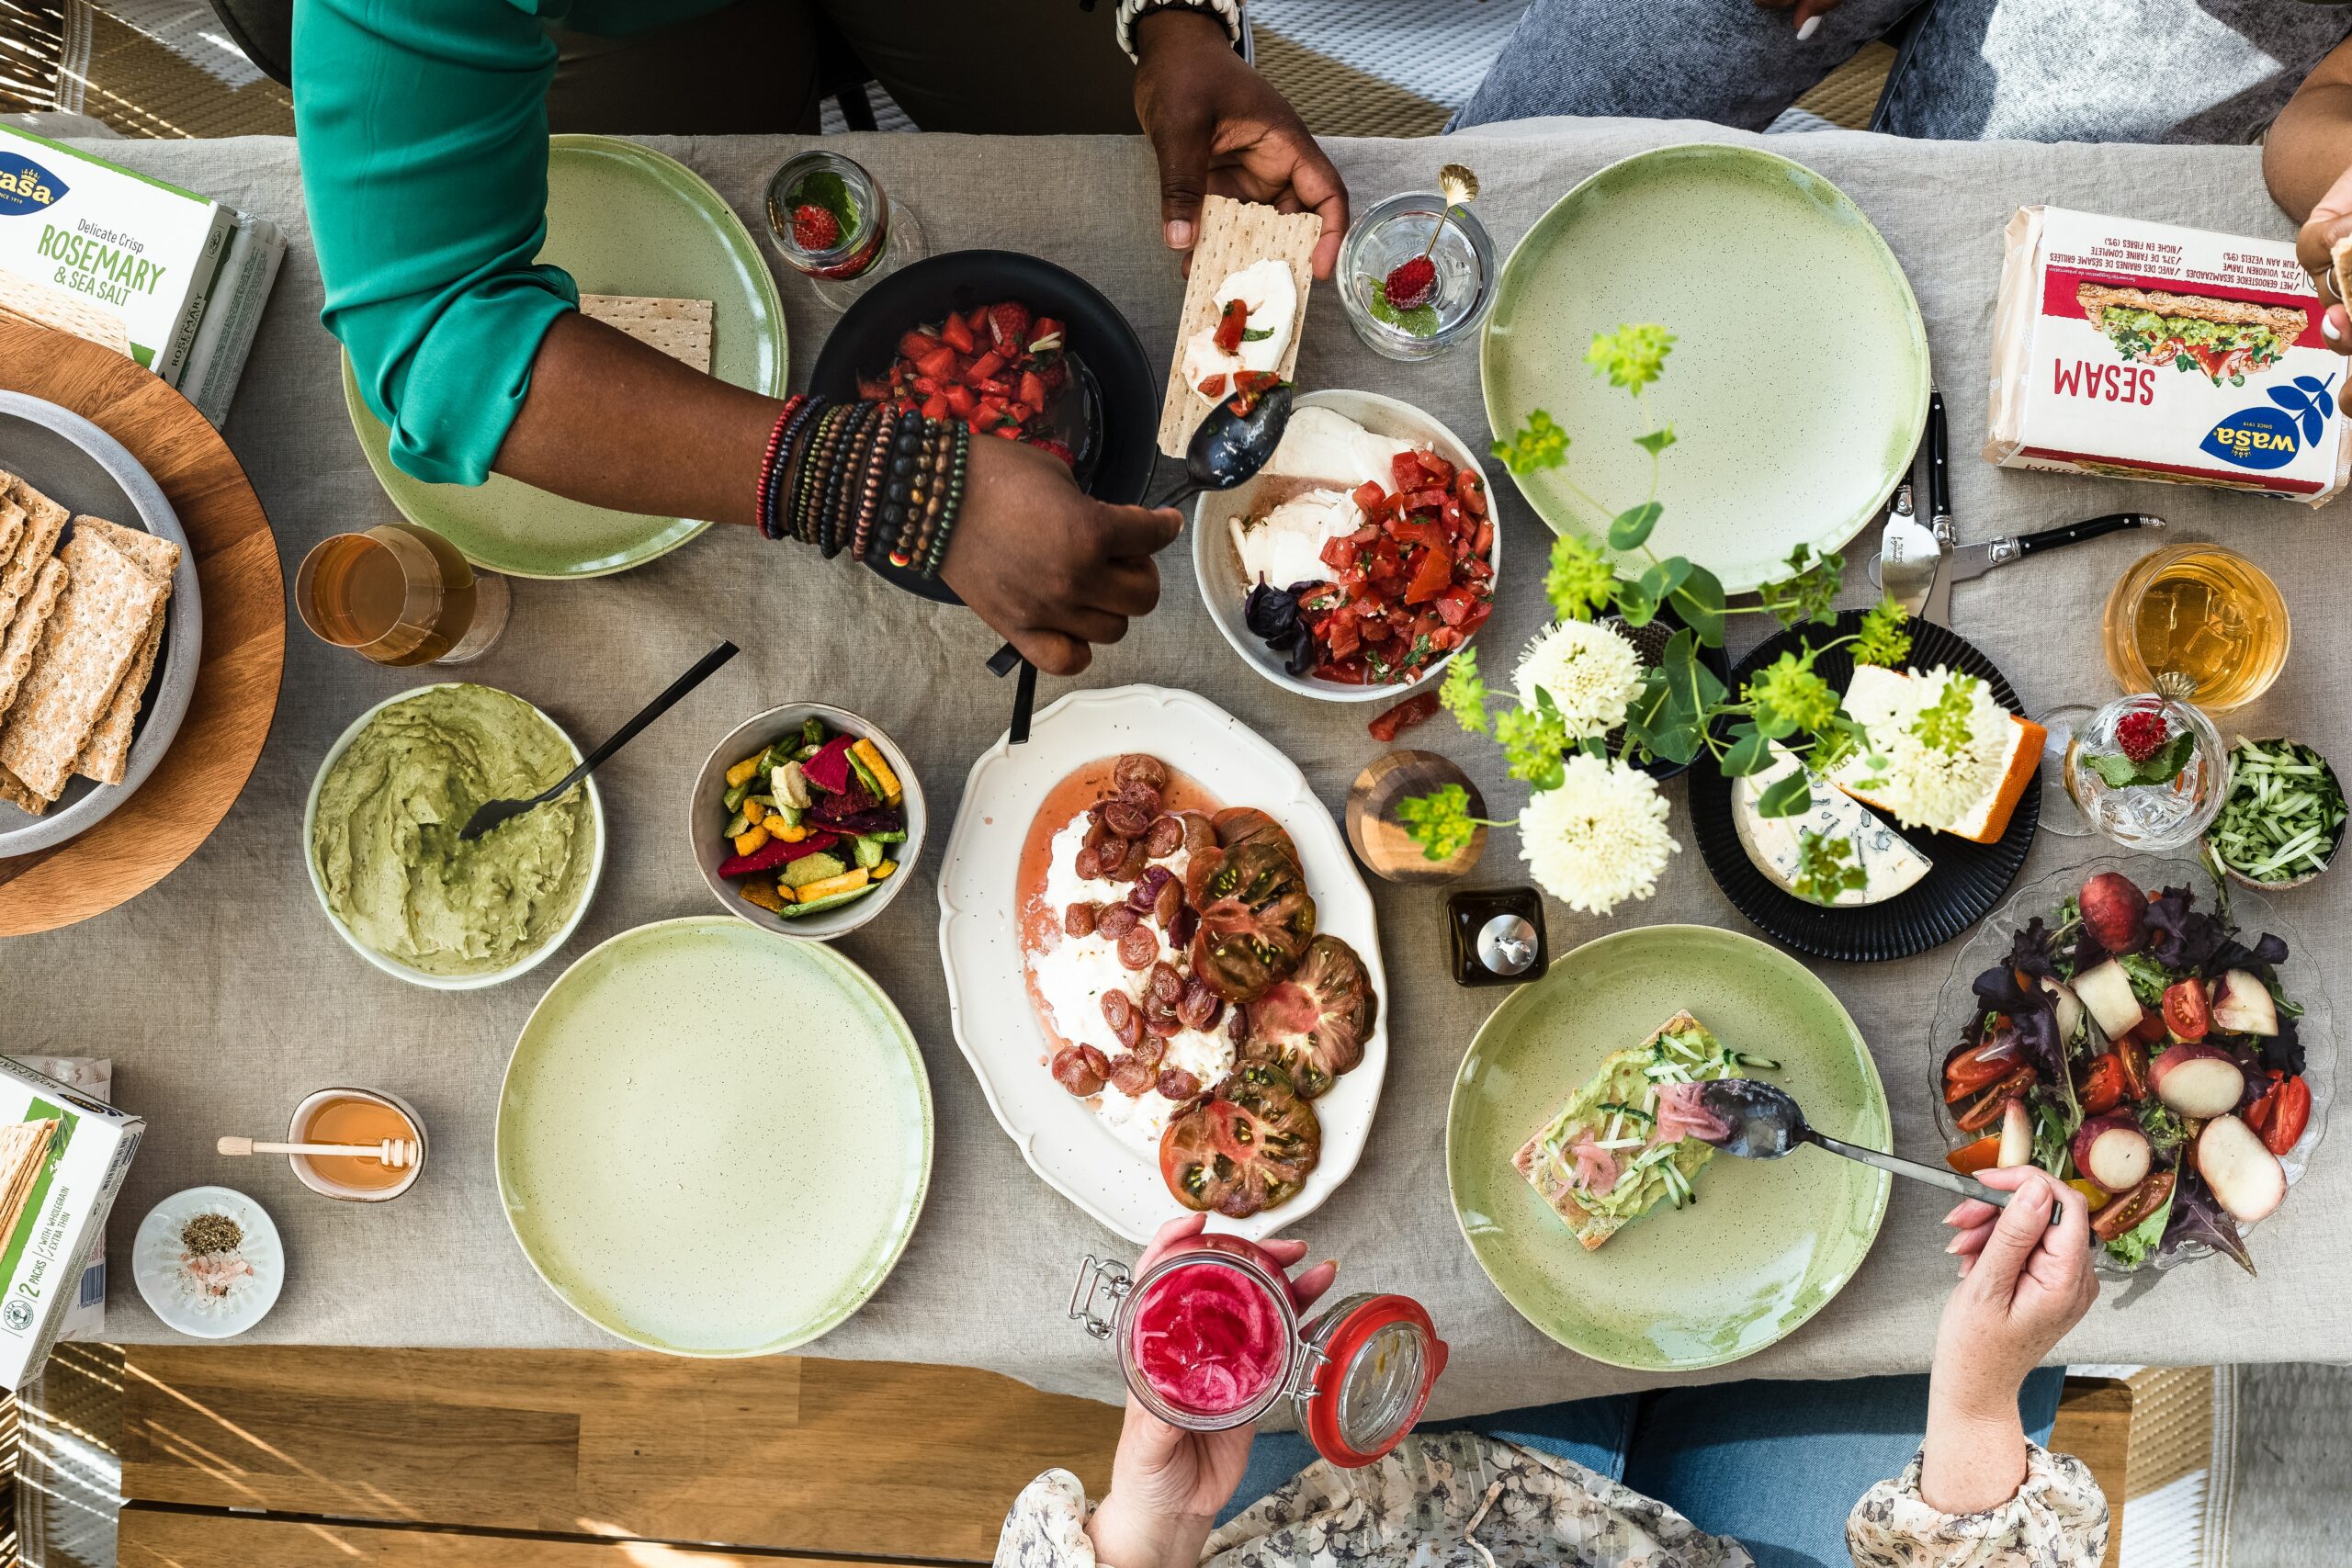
pixel 423 143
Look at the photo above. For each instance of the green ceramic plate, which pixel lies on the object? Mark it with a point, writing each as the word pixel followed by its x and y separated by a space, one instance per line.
pixel 1798 384
pixel 622 220
pixel 713 1141
pixel 1767 1242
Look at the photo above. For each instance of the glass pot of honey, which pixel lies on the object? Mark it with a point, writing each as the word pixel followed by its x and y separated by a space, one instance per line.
pixel 1209 1339
pixel 354 1116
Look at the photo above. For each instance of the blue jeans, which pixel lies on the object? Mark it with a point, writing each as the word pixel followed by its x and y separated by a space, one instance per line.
pixel 1776 1466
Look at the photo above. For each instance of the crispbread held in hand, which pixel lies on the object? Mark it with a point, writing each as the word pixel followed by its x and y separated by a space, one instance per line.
pixel 1233 234
pixel 92 638
pixel 106 756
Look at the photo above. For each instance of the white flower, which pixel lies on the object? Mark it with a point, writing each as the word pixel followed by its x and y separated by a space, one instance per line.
pixel 1600 838
pixel 1938 767
pixel 1591 672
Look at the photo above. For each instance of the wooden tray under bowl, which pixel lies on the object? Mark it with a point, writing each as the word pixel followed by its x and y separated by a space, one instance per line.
pixel 245 634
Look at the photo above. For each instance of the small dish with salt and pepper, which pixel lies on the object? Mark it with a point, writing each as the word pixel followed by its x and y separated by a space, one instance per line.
pixel 209 1262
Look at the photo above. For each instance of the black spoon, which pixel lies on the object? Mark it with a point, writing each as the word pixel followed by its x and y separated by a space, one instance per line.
pixel 1763 1121
pixel 1226 449
pixel 491 813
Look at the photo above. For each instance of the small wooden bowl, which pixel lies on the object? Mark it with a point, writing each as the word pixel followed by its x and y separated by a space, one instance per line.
pixel 1379 838
pixel 2245 881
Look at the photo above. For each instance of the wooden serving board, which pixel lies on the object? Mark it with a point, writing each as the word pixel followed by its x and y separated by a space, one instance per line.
pixel 245 634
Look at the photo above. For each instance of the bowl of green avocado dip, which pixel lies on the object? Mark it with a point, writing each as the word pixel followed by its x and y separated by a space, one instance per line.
pixel 385 858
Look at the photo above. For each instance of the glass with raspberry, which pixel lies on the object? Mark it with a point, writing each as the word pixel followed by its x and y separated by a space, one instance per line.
pixel 2148 771
pixel 1415 275
pixel 836 225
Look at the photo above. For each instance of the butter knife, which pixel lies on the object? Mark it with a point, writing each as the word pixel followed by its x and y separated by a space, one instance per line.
pixel 1937 607
pixel 1971 562
pixel 1908 555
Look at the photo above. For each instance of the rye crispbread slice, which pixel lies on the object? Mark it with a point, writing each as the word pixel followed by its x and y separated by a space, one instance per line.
pixel 92 638
pixel 23 637
pixel 679 328
pixel 1232 235
pixel 107 757
pixel 13 790
pixel 44 521
pixel 39 304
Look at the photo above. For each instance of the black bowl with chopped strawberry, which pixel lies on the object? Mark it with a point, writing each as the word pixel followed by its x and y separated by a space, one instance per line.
pixel 1407 587
pixel 1094 394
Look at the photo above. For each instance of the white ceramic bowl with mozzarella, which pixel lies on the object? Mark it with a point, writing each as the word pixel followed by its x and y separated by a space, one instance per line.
pixel 1216 565
pixel 1068 1142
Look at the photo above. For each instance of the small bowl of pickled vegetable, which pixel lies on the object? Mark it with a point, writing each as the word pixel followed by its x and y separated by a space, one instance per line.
pixel 805 820
pixel 2281 818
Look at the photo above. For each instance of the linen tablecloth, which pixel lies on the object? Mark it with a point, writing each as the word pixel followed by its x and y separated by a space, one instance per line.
pixel 223 997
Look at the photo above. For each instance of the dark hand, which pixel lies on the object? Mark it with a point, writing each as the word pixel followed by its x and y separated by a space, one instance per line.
pixel 2330 222
pixel 1220 128
pixel 1047 566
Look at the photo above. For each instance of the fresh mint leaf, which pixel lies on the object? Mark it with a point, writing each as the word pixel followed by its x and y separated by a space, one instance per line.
pixel 822 188
pixel 1420 321
pixel 1256 334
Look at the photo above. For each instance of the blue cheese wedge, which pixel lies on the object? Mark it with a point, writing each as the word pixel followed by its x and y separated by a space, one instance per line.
pixel 1889 863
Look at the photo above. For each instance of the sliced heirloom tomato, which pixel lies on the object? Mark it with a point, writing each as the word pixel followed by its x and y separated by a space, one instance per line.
pixel 1314 1024
pixel 1250 1144
pixel 1256 919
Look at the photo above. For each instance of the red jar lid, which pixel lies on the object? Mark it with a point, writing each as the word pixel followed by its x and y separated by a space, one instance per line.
pixel 1376 1359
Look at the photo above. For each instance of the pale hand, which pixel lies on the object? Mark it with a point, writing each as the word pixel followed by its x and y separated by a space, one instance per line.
pixel 2315 246
pixel 1166 1483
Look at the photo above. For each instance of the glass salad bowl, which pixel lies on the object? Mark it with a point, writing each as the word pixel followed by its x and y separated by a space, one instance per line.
pixel 2301 976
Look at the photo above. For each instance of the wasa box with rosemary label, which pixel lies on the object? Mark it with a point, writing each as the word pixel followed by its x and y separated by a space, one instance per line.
pixel 125 260
pixel 62 1158
pixel 2146 351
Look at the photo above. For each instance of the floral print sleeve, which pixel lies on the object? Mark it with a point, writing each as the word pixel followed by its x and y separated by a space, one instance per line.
pixel 1046 1526
pixel 2058 1519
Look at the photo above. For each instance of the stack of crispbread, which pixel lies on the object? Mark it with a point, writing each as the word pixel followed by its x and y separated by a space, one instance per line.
pixel 24 1145
pixel 81 623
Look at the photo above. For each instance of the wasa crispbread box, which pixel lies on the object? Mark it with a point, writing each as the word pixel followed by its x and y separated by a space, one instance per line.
pixel 2146 351
pixel 63 1156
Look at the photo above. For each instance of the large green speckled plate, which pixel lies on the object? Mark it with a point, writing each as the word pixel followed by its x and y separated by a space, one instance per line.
pixel 1798 383
pixel 714 1141
pixel 1767 1244
pixel 621 220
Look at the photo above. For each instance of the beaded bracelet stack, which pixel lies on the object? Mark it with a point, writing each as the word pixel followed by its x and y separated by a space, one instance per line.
pixel 866 478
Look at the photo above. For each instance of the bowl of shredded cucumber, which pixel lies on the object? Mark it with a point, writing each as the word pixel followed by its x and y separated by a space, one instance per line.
pixel 2281 818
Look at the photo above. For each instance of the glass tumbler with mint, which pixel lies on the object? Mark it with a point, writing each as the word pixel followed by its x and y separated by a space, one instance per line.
pixel 1417 273
pixel 837 226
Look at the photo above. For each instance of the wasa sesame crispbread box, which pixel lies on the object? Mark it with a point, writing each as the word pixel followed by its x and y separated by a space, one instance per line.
pixel 2149 352
pixel 171 278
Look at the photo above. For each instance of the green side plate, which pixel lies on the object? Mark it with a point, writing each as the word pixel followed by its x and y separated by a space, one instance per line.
pixel 621 220
pixel 1798 384
pixel 713 1141
pixel 1767 1245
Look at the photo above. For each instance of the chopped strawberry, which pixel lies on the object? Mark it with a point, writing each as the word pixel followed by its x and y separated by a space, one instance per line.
pixel 814 229
pixel 1009 326
pixel 1439 469
pixel 1018 412
pixel 991 386
pixel 958 334
pixel 1230 326
pixel 1046 327
pixel 1405 471
pixel 924 385
pixel 986 365
pixel 936 407
pixel 915 344
pixel 1455 604
pixel 1369 495
pixel 1009 432
pixel 939 363
pixel 871 390
pixel 1047 444
pixel 978 322
pixel 1212 386
pixel 962 403
pixel 1032 391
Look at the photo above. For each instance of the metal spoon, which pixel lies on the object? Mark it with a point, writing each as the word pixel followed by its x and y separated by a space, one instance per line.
pixel 1226 449
pixel 491 813
pixel 1764 1122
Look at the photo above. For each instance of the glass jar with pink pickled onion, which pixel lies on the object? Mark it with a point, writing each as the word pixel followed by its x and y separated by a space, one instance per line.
pixel 1210 1338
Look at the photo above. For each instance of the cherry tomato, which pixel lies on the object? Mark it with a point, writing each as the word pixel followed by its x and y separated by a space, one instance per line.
pixel 2289 1116
pixel 1982 1155
pixel 2102 1090
pixel 1974 1068
pixel 2189 1013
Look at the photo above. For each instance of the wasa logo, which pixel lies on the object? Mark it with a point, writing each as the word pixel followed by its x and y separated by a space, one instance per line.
pixel 25 185
pixel 2260 438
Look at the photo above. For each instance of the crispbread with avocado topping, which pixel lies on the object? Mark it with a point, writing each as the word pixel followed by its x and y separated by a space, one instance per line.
pixel 1618 1104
